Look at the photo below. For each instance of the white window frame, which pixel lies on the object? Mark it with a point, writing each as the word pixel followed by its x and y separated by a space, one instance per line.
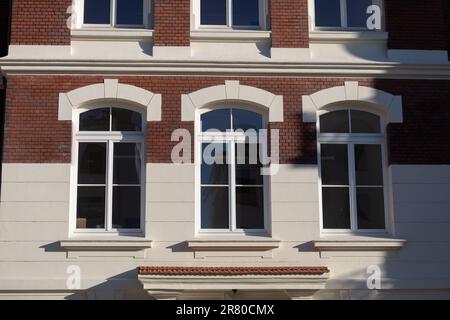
pixel 109 138
pixel 230 139
pixel 147 17
pixel 263 19
pixel 352 139
pixel 344 20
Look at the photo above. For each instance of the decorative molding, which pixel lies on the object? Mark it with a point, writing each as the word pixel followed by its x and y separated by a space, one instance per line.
pixel 239 247
pixel 230 92
pixel 230 35
pixel 110 90
pixel 111 34
pixel 78 248
pixel 347 36
pixel 354 243
pixel 352 91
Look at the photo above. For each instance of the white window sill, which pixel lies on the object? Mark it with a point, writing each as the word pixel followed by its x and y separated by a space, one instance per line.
pixel 233 243
pixel 122 34
pixel 104 247
pixel 318 36
pixel 357 243
pixel 230 35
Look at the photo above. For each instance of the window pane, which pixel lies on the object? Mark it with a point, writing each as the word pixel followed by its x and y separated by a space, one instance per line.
pixel 95 120
pixel 126 120
pixel 368 165
pixel 248 167
pixel 370 202
pixel 91 208
pixel 126 207
pixel 336 208
pixel 130 12
pixel 328 13
pixel 335 122
pixel 246 13
pixel 250 208
pixel 214 168
pixel 334 164
pixel 217 119
pixel 365 122
pixel 214 210
pixel 357 13
pixel 244 120
pixel 97 12
pixel 213 12
pixel 92 163
pixel 127 163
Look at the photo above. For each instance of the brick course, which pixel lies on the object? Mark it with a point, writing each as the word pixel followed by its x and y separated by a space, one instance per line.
pixel 34 134
pixel 289 24
pixel 172 22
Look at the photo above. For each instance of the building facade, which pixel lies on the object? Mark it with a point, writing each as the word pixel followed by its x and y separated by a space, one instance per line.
pixel 127 163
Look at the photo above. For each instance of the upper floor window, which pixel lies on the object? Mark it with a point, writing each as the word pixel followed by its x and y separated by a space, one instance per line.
pixel 248 14
pixel 353 171
pixel 232 187
pixel 116 13
pixel 110 170
pixel 343 14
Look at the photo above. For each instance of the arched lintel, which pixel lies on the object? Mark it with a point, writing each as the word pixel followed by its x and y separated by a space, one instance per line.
pixel 110 90
pixel 352 92
pixel 232 91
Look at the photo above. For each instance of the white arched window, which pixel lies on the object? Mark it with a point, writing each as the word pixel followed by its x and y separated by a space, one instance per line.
pixel 352 156
pixel 109 159
pixel 232 189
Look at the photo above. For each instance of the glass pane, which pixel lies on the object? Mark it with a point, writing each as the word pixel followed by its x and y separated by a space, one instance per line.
pixel 336 208
pixel 126 207
pixel 91 208
pixel 335 122
pixel 250 208
pixel 370 203
pixel 92 163
pixel 248 167
pixel 127 163
pixel 214 210
pixel 95 120
pixel 130 12
pixel 328 13
pixel 246 13
pixel 126 120
pixel 97 12
pixel 214 168
pixel 365 122
pixel 357 13
pixel 217 119
pixel 368 165
pixel 334 164
pixel 244 120
pixel 213 12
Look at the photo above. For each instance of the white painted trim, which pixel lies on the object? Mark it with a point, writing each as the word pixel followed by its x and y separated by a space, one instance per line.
pixel 103 34
pixel 391 105
pixel 234 244
pixel 230 35
pixel 105 248
pixel 348 36
pixel 354 243
pixel 109 90
pixel 232 91
pixel 252 282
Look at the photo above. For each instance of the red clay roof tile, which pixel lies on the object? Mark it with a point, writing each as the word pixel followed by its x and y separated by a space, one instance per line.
pixel 231 271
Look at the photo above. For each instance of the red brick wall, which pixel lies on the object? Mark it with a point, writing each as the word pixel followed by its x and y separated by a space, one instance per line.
pixel 172 22
pixel 415 24
pixel 289 22
pixel 34 134
pixel 40 22
pixel 4 27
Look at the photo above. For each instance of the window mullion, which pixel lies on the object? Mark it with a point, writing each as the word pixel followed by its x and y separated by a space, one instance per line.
pixel 344 13
pixel 232 191
pixel 109 186
pixel 230 13
pixel 113 12
pixel 352 191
